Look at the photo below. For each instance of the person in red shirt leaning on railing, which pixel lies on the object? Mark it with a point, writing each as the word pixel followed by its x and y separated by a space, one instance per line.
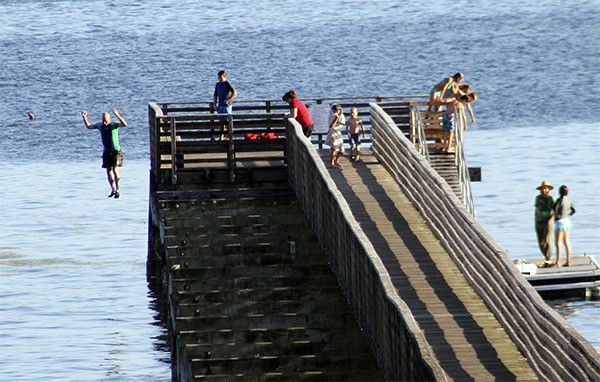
pixel 299 111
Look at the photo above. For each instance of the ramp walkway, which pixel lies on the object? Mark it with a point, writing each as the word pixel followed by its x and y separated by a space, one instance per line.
pixel 463 334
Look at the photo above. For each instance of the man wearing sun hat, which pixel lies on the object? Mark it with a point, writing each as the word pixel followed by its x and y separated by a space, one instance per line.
pixel 544 208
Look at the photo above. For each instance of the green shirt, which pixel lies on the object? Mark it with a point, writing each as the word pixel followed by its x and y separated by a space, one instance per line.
pixel 110 135
pixel 544 208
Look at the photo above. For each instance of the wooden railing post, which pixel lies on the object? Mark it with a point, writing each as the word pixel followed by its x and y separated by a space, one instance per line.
pixel 231 149
pixel 173 152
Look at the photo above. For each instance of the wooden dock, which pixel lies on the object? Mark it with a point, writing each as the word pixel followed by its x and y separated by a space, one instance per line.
pixel 464 337
pixel 251 294
pixel 242 233
pixel 580 280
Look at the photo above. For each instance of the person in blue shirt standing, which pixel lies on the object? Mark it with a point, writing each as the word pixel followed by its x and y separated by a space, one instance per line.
pixel 112 156
pixel 223 96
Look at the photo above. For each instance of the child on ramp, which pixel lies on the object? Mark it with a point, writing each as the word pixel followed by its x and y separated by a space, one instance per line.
pixel 335 139
pixel 353 127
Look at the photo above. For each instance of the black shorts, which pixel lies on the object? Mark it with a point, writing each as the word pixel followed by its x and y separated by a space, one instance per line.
pixel 308 130
pixel 355 138
pixel 112 159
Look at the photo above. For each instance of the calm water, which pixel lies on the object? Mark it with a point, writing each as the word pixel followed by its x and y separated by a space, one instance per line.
pixel 73 297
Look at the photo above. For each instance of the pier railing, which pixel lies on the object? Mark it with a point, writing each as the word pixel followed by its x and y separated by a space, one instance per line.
pixel 396 340
pixel 461 162
pixel 190 144
pixel 182 133
pixel 554 349
pixel 418 137
pixel 425 134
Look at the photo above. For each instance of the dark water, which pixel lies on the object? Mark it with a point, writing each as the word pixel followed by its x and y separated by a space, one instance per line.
pixel 74 302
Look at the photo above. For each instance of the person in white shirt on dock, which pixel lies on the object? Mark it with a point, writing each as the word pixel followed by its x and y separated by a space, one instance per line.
pixel 334 138
pixel 563 210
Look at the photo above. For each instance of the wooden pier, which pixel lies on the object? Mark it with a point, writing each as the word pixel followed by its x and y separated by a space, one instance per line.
pixel 278 267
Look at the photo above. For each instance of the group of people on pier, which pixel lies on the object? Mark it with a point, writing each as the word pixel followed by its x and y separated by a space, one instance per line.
pixel 448 93
pixel 453 95
pixel 336 120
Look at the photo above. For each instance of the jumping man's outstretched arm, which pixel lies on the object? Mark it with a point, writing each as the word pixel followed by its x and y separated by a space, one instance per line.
pixel 86 121
pixel 118 115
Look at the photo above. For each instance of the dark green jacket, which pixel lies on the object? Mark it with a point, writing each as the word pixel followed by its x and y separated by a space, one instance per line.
pixel 544 208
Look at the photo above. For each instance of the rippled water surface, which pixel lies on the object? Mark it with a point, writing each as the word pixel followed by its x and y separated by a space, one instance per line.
pixel 74 302
pixel 73 297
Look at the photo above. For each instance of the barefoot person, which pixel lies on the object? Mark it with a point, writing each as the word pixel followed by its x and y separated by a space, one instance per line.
pixel 448 121
pixel 334 138
pixel 563 209
pixel 353 128
pixel 112 156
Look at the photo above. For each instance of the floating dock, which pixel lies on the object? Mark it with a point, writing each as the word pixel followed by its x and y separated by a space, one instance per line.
pixel 581 279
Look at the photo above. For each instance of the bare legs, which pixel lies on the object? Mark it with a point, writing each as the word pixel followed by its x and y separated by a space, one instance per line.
pixel 334 158
pixel 563 236
pixel 435 100
pixel 223 131
pixel 354 151
pixel 447 141
pixel 112 173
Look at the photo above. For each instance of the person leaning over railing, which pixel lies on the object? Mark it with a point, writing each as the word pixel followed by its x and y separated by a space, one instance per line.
pixel 466 89
pixel 438 93
pixel 448 119
pixel 299 111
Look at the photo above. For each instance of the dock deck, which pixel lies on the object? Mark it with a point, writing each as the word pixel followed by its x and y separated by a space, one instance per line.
pixel 580 279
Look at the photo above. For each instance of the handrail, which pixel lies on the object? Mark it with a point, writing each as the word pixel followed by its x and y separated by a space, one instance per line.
pixel 554 349
pixel 461 162
pixel 154 114
pixel 396 339
pixel 173 125
pixel 418 132
pixel 419 141
pixel 318 100
pixel 184 137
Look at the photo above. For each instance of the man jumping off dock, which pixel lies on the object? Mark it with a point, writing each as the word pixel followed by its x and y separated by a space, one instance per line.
pixel 112 156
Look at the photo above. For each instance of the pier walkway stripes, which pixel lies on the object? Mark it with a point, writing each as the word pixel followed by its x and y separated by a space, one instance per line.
pixel 463 334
